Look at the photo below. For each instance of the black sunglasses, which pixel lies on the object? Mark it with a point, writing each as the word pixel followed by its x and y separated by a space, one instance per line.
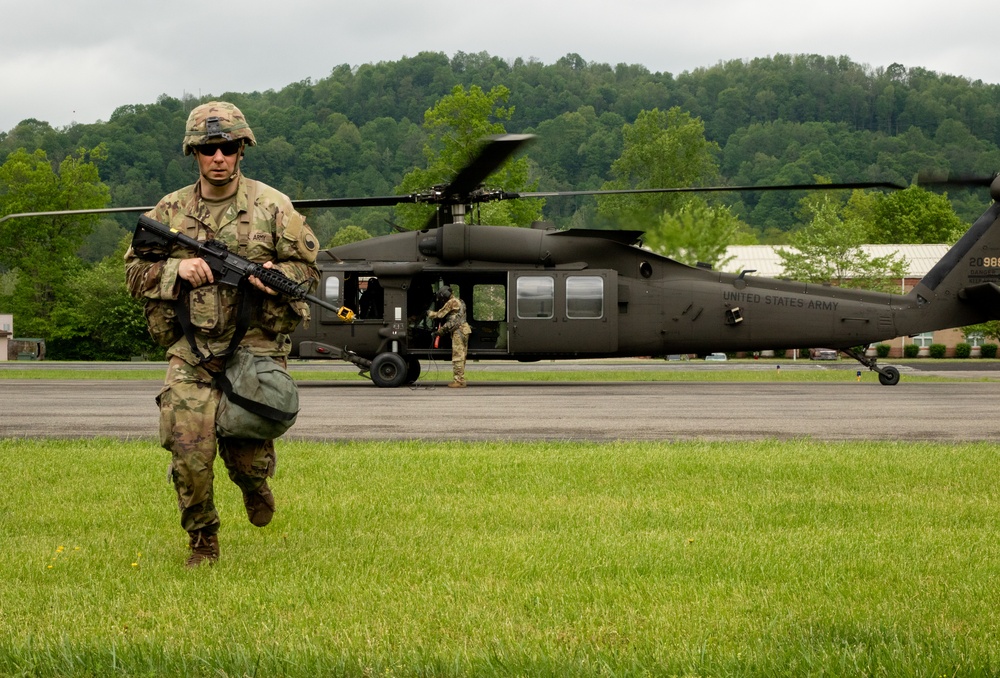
pixel 227 148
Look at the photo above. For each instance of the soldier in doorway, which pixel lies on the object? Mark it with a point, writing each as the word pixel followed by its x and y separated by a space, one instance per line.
pixel 452 310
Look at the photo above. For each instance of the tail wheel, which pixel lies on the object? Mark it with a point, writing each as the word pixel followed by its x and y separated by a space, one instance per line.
pixel 388 370
pixel 888 376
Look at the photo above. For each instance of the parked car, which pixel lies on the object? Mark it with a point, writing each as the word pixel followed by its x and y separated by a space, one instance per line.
pixel 823 354
pixel 716 356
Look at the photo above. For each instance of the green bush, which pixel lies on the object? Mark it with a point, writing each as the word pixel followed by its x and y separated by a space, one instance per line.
pixel 989 350
pixel 963 350
pixel 911 350
pixel 882 350
pixel 938 350
pixel 779 353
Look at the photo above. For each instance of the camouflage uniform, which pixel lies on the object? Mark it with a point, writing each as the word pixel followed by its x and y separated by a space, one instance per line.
pixel 455 324
pixel 269 229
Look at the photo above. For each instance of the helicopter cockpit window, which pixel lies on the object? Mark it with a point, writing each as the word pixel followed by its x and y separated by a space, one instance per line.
pixel 535 296
pixel 584 296
pixel 331 289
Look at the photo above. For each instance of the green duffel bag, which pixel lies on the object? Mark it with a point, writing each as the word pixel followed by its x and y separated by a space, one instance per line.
pixel 259 398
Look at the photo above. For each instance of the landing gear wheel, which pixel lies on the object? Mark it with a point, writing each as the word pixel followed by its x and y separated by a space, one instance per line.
pixel 412 370
pixel 388 370
pixel 889 376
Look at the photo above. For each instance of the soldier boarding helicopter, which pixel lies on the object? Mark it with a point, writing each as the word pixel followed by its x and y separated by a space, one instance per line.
pixel 539 293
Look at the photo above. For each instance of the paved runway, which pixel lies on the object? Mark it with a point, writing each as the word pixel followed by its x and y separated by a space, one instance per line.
pixel 944 411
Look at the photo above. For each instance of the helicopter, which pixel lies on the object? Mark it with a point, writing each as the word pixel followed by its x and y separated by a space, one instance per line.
pixel 540 293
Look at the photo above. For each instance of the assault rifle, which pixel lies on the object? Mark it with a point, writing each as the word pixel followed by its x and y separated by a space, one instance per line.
pixel 153 239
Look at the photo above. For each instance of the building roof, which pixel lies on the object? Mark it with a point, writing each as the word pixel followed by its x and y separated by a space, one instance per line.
pixel 765 260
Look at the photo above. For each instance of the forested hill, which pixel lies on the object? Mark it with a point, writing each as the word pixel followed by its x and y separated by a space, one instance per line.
pixel 783 119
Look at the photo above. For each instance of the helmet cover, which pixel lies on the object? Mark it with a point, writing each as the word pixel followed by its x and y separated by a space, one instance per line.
pixel 216 122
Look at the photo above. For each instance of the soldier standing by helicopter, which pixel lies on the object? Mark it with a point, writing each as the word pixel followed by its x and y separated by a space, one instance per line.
pixel 452 309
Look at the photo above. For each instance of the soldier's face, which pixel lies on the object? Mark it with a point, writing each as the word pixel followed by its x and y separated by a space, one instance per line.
pixel 215 165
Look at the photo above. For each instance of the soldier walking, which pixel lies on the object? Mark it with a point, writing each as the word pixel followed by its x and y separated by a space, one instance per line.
pixel 260 224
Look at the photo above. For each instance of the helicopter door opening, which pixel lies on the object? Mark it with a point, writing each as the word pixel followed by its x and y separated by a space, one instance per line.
pixel 563 312
pixel 485 297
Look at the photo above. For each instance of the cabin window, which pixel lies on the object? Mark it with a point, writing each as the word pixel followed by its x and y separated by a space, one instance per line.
pixel 489 303
pixel 331 289
pixel 584 296
pixel 535 296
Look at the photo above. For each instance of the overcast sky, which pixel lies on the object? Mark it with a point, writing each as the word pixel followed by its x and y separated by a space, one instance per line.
pixel 65 61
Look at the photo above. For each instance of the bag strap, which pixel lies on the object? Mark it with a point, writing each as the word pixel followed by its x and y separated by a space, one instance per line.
pixel 250 405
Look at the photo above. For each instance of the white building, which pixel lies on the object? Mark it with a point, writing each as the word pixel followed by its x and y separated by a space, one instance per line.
pixel 6 333
pixel 920 259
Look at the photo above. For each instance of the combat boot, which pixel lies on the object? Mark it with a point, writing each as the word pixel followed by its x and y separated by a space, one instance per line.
pixel 457 384
pixel 204 548
pixel 259 505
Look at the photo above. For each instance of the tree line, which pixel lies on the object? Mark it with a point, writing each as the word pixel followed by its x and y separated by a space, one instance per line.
pixel 379 129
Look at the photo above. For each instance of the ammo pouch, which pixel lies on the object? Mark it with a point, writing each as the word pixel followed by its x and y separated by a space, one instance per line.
pixel 275 314
pixel 162 322
pixel 211 309
pixel 259 398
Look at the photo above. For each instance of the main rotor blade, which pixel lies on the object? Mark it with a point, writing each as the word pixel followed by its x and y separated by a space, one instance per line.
pixel 63 213
pixel 496 151
pixel 707 189
pixel 380 201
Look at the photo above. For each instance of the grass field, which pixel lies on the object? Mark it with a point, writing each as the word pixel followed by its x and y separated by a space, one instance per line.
pixel 568 559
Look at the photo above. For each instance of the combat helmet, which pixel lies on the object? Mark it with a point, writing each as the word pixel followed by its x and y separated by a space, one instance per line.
pixel 216 121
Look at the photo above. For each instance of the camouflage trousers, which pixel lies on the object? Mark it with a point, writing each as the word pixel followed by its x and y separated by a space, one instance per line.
pixel 188 403
pixel 459 350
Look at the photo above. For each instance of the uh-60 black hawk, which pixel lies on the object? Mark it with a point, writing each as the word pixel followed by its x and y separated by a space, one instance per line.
pixel 541 293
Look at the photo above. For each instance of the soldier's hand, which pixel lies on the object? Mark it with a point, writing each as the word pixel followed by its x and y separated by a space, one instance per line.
pixel 261 286
pixel 196 271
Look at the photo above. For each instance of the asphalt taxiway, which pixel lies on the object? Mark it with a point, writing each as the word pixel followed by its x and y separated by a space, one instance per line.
pixel 521 411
